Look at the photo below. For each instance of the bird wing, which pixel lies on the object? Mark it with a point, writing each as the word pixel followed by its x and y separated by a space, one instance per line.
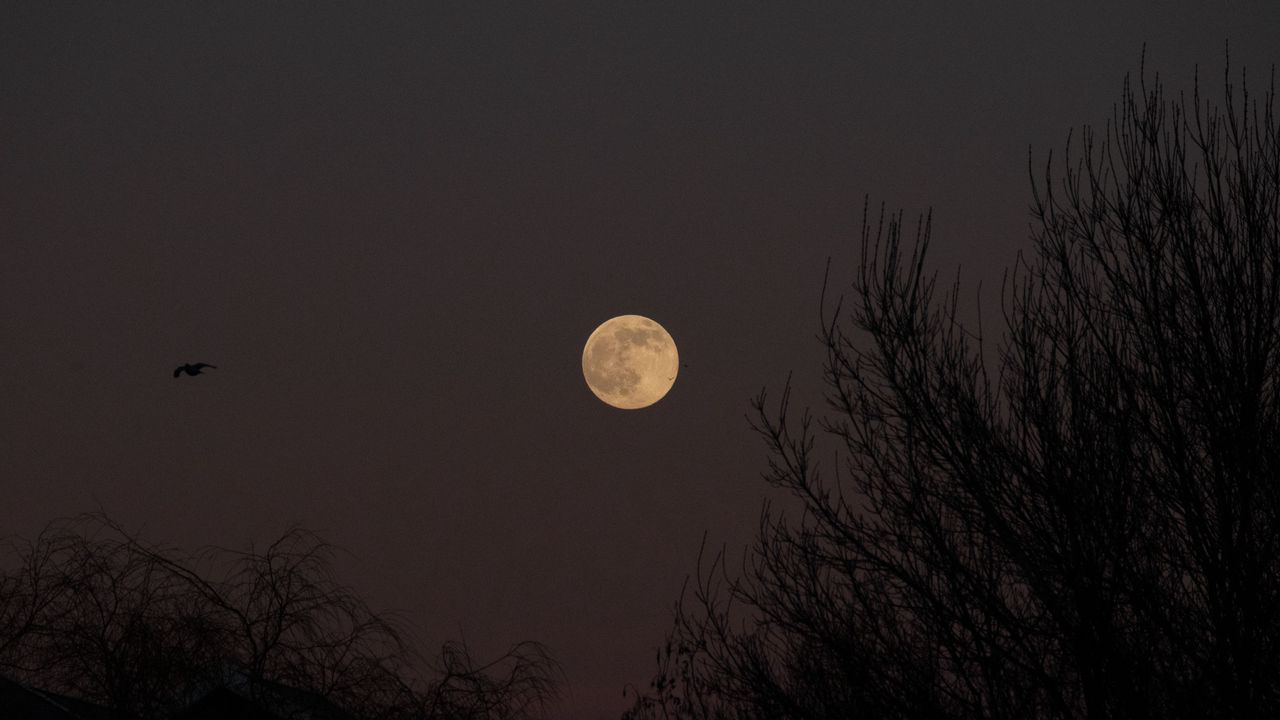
pixel 201 366
pixel 178 371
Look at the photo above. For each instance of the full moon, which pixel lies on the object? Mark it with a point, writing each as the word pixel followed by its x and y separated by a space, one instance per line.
pixel 630 362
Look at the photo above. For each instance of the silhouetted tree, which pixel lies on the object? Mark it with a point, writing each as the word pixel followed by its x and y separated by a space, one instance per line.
pixel 516 685
pixel 101 621
pixel 1079 519
pixel 283 618
pixel 89 610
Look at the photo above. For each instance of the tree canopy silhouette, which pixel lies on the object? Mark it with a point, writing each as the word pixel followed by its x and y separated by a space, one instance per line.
pixel 92 611
pixel 1077 519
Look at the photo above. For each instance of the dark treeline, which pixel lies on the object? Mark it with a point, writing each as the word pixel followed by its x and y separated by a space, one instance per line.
pixel 91 611
pixel 1075 517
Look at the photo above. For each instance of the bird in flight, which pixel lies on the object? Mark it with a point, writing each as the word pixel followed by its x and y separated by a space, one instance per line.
pixel 192 370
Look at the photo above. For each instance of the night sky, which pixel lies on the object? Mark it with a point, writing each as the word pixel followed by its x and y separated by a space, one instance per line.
pixel 392 227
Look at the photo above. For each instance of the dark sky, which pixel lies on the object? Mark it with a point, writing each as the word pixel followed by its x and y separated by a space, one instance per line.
pixel 393 226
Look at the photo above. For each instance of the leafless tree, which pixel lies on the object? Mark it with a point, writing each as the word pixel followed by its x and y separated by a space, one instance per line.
pixel 1079 519
pixel 519 684
pixel 93 611
pixel 284 618
pixel 104 622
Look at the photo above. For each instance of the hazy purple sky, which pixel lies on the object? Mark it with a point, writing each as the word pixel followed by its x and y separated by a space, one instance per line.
pixel 393 226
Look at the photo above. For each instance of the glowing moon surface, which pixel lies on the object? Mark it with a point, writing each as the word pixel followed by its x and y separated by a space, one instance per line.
pixel 630 362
